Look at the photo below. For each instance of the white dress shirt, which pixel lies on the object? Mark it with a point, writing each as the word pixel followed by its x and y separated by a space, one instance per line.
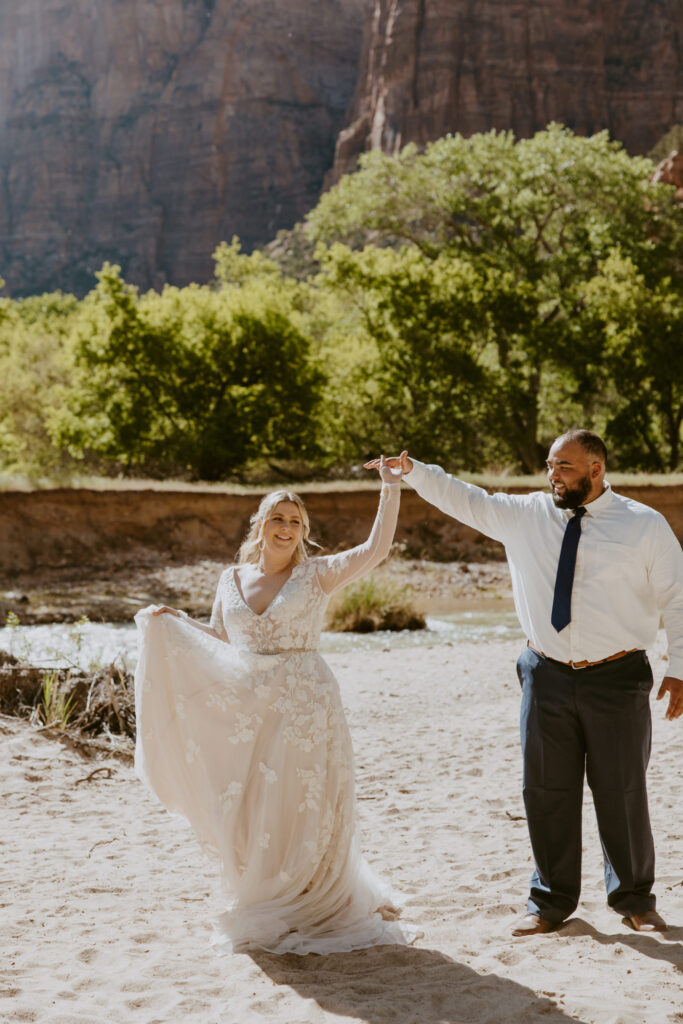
pixel 629 566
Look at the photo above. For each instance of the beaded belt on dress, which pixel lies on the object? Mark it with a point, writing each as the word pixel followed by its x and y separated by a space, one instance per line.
pixel 290 650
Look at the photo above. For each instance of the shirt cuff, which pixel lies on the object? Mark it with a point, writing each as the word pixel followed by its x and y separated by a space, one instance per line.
pixel 417 473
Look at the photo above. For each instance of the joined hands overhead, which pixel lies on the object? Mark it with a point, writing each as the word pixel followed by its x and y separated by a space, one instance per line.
pixel 391 469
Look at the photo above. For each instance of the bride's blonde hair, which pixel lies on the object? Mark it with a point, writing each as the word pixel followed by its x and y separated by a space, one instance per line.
pixel 250 549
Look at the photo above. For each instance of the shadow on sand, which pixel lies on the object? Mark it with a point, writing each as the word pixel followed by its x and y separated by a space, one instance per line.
pixel 665 946
pixel 404 985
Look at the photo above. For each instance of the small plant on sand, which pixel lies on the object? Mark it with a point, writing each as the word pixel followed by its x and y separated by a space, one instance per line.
pixel 374 604
pixel 18 647
pixel 54 708
pixel 76 632
pixel 73 655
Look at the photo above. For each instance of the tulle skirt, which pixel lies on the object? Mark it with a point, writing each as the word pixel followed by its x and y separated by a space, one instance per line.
pixel 254 751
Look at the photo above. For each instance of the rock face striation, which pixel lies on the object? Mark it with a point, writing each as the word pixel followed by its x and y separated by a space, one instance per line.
pixel 145 133
pixel 670 172
pixel 436 66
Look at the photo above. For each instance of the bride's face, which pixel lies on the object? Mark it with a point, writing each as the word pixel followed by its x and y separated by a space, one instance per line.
pixel 284 529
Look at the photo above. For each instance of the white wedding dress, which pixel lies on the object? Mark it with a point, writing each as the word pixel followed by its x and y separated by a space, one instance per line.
pixel 240 729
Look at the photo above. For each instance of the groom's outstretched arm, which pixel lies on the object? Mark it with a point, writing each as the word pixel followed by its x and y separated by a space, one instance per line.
pixel 492 514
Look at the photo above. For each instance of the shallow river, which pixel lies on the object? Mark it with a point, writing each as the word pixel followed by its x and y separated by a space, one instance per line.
pixel 101 643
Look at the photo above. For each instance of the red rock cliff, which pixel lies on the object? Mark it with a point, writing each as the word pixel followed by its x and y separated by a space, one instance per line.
pixel 436 66
pixel 146 132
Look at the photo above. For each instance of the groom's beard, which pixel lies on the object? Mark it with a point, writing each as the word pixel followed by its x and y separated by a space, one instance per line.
pixel 572 498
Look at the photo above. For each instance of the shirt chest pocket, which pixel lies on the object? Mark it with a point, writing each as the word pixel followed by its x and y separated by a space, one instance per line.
pixel 612 562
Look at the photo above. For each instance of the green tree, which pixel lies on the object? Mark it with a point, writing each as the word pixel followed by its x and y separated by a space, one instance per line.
pixel 641 328
pixel 36 365
pixel 535 219
pixel 233 267
pixel 195 380
pixel 412 371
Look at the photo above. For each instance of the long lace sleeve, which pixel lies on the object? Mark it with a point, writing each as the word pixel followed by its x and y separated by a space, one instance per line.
pixel 216 626
pixel 217 622
pixel 335 571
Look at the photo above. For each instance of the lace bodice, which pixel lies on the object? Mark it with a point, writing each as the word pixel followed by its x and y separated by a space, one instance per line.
pixel 294 619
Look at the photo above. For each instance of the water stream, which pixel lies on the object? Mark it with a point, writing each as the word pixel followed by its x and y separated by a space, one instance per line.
pixel 97 643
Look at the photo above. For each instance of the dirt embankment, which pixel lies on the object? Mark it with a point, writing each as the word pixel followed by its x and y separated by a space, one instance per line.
pixel 67 553
pixel 87 529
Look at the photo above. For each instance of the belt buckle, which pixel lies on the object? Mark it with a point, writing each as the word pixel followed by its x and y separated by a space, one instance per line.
pixel 603 661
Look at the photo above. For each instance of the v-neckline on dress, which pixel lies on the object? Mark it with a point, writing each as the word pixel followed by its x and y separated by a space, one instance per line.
pixel 259 615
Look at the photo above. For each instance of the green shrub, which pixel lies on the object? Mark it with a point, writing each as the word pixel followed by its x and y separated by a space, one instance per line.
pixel 374 604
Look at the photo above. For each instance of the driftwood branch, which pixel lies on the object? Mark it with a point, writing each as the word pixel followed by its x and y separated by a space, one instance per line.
pixel 103 842
pixel 515 817
pixel 97 771
pixel 100 703
pixel 113 700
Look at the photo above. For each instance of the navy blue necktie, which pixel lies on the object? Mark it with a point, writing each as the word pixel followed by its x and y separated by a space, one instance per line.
pixel 562 600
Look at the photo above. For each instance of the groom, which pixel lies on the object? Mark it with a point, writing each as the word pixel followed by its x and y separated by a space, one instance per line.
pixel 592 572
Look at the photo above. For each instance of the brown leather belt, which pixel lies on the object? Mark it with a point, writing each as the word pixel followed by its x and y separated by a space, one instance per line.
pixel 585 664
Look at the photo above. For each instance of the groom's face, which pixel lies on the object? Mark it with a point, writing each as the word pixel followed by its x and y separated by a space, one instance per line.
pixel 570 474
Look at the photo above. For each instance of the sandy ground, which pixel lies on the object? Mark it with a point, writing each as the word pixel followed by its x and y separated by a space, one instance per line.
pixel 106 903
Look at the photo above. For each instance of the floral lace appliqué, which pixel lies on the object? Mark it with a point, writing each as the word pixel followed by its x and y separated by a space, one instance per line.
pixel 227 798
pixel 192 751
pixel 223 701
pixel 245 727
pixel 270 775
pixel 312 782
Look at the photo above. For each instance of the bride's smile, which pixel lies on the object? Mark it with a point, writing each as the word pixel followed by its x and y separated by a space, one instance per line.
pixel 283 530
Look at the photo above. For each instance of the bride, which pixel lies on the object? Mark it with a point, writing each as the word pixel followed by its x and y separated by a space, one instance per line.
pixel 240 729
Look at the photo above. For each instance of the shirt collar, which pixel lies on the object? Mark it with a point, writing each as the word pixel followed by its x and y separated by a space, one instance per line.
pixel 597 506
pixel 601 504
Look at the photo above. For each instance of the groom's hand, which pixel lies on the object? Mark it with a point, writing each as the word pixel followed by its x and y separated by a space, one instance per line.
pixel 674 687
pixel 394 462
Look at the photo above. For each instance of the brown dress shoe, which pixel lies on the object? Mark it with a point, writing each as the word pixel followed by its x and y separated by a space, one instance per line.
pixel 532 924
pixel 648 921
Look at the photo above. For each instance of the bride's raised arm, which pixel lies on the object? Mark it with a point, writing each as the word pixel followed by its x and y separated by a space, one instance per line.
pixel 335 571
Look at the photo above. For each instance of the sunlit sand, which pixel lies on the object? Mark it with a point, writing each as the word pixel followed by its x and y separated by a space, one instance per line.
pixel 108 902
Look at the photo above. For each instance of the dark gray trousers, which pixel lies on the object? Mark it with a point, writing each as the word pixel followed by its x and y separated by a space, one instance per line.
pixel 594 722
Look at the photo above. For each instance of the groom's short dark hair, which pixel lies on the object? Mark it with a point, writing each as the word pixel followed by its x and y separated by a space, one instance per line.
pixel 591 443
